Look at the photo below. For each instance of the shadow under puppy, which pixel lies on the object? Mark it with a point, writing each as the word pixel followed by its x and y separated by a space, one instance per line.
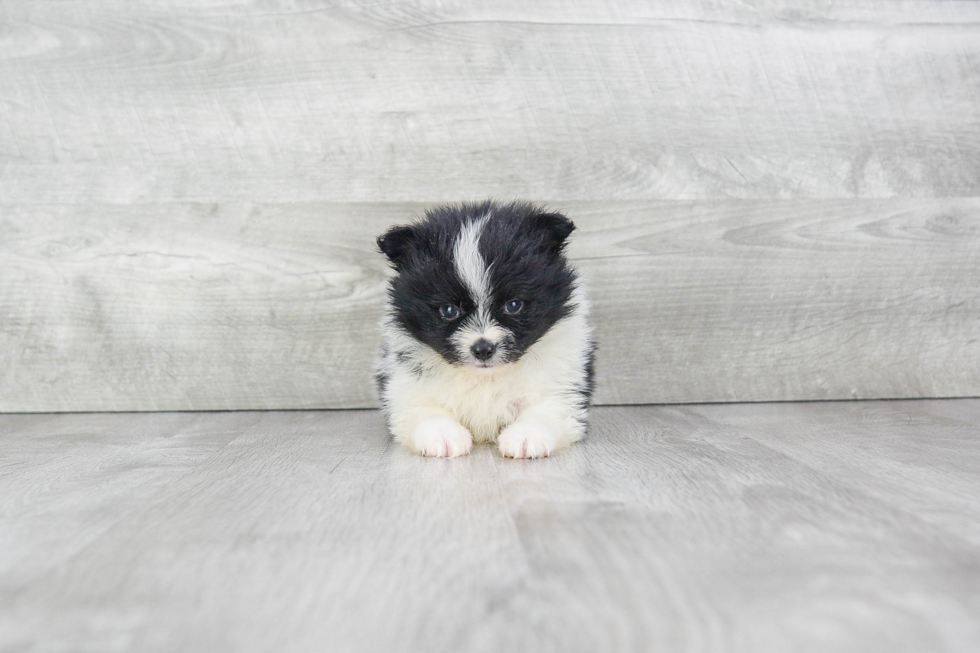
pixel 485 333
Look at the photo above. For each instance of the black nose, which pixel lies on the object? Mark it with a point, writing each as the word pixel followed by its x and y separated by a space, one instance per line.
pixel 483 349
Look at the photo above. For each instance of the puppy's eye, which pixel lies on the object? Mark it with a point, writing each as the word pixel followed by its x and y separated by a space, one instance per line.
pixel 448 312
pixel 513 307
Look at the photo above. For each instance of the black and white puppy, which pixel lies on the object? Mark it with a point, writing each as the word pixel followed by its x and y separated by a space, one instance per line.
pixel 485 334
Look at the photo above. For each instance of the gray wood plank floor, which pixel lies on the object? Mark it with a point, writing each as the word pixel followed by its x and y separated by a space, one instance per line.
pixel 747 527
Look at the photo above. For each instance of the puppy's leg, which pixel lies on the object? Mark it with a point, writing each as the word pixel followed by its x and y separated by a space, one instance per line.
pixel 432 432
pixel 540 430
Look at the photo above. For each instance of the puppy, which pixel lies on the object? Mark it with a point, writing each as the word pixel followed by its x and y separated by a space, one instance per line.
pixel 485 334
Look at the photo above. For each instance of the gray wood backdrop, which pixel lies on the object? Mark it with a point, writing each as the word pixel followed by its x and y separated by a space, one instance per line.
pixel 776 200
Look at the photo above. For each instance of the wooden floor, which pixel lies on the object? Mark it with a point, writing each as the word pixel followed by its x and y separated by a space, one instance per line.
pixel 765 527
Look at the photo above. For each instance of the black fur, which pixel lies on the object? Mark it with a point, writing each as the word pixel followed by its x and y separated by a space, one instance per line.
pixel 381 382
pixel 585 392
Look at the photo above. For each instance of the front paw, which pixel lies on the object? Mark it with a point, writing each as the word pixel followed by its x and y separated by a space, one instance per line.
pixel 528 440
pixel 440 437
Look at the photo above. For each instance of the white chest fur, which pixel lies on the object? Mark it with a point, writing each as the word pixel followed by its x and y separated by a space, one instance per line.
pixel 483 402
pixel 486 401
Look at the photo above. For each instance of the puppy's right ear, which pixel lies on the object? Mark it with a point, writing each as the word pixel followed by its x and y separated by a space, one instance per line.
pixel 397 243
pixel 554 229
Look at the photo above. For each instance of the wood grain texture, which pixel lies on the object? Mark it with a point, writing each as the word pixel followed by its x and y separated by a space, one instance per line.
pixel 124 102
pixel 246 306
pixel 746 528
pixel 89 472
pixel 769 195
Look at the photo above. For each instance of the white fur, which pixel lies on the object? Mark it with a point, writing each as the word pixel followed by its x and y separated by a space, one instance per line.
pixel 469 263
pixel 473 272
pixel 437 433
pixel 531 405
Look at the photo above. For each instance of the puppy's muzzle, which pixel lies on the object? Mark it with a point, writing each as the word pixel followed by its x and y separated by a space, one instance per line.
pixel 483 350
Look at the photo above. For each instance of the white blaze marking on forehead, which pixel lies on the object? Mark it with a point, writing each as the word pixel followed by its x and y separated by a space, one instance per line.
pixel 470 266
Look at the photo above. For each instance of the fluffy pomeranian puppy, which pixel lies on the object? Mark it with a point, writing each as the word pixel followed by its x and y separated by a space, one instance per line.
pixel 485 334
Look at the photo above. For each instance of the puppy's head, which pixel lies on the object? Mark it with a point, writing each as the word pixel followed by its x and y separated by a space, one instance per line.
pixel 480 283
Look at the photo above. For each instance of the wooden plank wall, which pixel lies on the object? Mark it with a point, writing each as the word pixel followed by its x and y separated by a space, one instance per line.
pixel 776 200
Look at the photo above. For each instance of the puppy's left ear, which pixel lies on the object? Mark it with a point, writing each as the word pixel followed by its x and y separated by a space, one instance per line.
pixel 554 228
pixel 397 243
